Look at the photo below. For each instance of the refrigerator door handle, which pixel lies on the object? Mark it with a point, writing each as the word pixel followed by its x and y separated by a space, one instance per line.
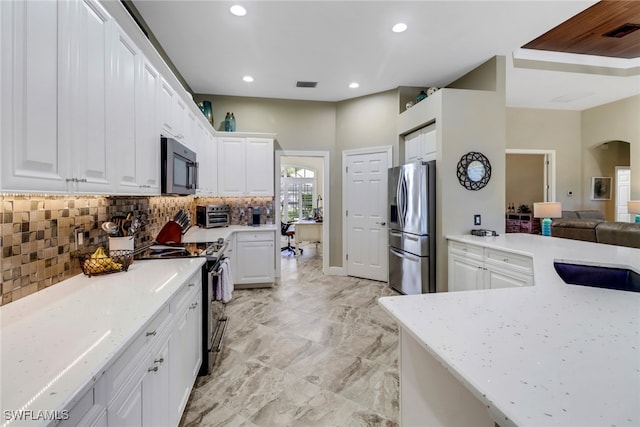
pixel 395 234
pixel 399 199
pixel 406 255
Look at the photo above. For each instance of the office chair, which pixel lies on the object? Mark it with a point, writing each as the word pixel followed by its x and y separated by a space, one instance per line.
pixel 284 230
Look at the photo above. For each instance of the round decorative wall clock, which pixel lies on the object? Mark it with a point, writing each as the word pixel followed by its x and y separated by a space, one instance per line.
pixel 474 171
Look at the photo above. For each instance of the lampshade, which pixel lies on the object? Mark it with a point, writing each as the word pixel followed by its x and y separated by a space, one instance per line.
pixel 633 206
pixel 547 210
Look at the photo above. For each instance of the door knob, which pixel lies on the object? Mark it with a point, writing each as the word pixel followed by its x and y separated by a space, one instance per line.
pixel 381 223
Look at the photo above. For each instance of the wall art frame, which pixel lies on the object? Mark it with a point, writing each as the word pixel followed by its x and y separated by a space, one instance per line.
pixel 601 187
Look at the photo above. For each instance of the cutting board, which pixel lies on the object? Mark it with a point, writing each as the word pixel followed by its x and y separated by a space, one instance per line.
pixel 170 233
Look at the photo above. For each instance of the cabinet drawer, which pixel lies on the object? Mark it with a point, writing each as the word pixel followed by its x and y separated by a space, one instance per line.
pixel 183 299
pixel 125 366
pixel 470 251
pixel 246 236
pixel 509 260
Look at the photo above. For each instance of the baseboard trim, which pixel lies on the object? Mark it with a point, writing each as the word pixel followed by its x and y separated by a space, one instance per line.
pixel 336 271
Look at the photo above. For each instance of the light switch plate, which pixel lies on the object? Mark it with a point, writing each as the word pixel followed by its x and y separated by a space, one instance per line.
pixel 477 219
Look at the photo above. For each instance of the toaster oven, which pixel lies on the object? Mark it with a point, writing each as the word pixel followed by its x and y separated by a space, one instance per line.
pixel 210 216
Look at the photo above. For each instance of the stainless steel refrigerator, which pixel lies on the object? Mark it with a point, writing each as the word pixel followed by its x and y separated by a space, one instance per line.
pixel 412 242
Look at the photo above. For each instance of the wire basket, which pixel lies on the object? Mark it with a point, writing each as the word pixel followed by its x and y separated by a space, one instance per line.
pixel 115 262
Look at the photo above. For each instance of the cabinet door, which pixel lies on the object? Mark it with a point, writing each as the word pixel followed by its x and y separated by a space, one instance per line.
pixel 121 111
pixel 411 147
pixel 86 30
pixel 31 148
pixel 185 356
pixel 464 273
pixel 147 136
pixel 231 167
pixel 180 114
pixel 207 160
pixel 166 108
pixel 155 390
pixel 255 262
pixel 127 411
pixel 427 143
pixel 259 166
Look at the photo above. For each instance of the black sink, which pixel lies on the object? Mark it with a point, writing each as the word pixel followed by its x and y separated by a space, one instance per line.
pixel 621 279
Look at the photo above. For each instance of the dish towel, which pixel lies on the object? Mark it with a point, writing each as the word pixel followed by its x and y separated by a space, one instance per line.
pixel 224 289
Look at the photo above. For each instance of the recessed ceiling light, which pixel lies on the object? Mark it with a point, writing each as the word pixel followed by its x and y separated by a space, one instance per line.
pixel 399 27
pixel 238 10
pixel 247 79
pixel 354 85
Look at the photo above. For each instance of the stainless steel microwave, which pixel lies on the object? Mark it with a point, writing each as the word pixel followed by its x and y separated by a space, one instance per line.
pixel 178 168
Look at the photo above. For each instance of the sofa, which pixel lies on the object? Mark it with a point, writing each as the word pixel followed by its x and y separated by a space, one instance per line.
pixel 590 226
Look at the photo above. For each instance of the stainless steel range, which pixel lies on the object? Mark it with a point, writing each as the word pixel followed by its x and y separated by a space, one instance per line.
pixel 214 320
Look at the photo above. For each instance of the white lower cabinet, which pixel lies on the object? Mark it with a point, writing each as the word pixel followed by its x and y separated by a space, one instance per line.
pixel 475 267
pixel 253 260
pixel 90 410
pixel 184 350
pixel 149 384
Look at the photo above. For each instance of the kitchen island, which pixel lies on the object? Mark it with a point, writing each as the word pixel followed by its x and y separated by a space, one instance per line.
pixel 547 354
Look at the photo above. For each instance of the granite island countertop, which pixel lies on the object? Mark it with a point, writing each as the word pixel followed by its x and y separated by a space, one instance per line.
pixel 56 343
pixel 548 354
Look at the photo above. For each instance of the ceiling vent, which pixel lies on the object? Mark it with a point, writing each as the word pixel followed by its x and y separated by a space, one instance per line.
pixel 306 84
pixel 622 30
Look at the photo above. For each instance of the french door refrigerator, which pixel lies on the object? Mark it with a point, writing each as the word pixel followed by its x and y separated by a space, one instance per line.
pixel 412 242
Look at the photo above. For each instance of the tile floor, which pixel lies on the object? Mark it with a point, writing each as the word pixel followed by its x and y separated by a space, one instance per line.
pixel 313 350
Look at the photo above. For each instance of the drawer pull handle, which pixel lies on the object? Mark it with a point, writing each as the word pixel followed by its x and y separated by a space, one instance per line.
pixel 191 285
pixel 150 334
pixel 505 259
pixel 465 249
pixel 154 369
pixel 159 360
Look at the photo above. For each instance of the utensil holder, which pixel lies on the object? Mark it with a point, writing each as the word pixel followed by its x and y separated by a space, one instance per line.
pixel 121 244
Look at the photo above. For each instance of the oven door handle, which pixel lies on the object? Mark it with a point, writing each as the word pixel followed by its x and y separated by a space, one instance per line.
pixel 224 329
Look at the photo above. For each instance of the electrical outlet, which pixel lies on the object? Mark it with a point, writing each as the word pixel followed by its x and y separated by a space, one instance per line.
pixel 477 220
pixel 79 232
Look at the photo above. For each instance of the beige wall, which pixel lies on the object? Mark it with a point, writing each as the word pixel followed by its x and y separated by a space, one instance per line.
pixel 557 130
pixel 368 121
pixel 321 126
pixel 524 179
pixel 617 121
pixel 606 157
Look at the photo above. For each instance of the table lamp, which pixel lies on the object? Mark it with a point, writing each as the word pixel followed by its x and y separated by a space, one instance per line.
pixel 634 208
pixel 547 210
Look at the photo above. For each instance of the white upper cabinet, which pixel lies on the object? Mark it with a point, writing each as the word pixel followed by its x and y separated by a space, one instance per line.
pixel 147 135
pixel 30 147
pixel 231 167
pixel 259 166
pixel 208 164
pixel 121 110
pixel 245 166
pixel 420 145
pixel 166 108
pixel 85 29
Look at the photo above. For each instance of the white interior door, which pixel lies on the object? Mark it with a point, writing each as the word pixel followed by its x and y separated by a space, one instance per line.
pixel 623 193
pixel 366 214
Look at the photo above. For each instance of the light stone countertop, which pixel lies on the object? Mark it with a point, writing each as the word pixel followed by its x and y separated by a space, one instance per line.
pixel 196 234
pixel 56 343
pixel 548 354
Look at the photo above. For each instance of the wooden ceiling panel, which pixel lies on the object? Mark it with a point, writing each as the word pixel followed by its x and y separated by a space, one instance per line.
pixel 585 32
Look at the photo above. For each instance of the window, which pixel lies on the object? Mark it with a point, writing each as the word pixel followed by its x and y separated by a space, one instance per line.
pixel 297 193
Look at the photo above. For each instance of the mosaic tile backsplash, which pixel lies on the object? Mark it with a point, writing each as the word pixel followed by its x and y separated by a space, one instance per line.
pixel 37 233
